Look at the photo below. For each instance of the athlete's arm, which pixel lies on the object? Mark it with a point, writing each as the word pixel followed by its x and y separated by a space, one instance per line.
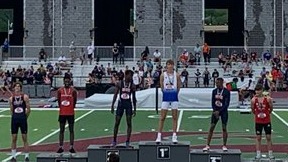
pixel 252 105
pixel 74 97
pixel 161 81
pixel 213 100
pixel 134 100
pixel 11 105
pixel 226 101
pixel 27 101
pixel 178 82
pixel 115 96
pixel 59 98
pixel 270 104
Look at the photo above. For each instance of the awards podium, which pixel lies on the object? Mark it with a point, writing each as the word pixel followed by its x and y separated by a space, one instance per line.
pixel 98 153
pixel 147 151
pixel 215 155
pixel 166 151
pixel 66 157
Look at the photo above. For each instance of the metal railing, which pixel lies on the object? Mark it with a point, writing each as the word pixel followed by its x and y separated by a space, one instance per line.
pixel 132 53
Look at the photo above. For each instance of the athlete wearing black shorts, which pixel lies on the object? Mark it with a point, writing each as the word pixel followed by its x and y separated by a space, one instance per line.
pixel 126 90
pixel 20 110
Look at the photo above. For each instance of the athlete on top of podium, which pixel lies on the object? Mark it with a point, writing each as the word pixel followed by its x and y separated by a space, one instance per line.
pixel 170 84
pixel 126 90
pixel 220 104
pixel 262 106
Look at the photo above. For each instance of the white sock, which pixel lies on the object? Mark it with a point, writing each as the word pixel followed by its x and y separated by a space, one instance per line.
pixel 258 153
pixel 159 134
pixel 174 134
pixel 71 146
pixel 27 155
pixel 13 152
pixel 270 152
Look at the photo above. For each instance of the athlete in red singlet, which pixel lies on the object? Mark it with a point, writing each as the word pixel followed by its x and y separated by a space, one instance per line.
pixel 262 106
pixel 67 98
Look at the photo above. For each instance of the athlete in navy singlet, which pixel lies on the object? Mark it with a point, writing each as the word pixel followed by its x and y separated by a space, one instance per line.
pixel 126 91
pixel 20 110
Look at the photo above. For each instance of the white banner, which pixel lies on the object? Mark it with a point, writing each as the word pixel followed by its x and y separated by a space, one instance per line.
pixel 188 98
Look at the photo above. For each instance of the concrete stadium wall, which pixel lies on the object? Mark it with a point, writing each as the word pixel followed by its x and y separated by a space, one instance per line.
pixel 186 20
pixel 76 23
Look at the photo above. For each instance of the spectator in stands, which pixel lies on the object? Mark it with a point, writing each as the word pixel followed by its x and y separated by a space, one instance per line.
pixel 72 51
pixel 198 75
pixel 263 72
pixel 228 63
pixel 267 58
pixel 50 76
pixel 184 58
pixel 136 79
pixel 62 60
pixel 234 57
pixel 83 57
pixel 39 77
pixel 19 74
pixel 5 46
pixel 206 77
pixel 184 78
pixel 42 55
pixel 90 53
pixel 277 59
pixel 244 57
pixel 221 59
pixel 253 57
pixel 215 75
pixel 149 65
pixel 13 75
pixel 121 53
pixel 206 53
pixel 145 54
pixel 247 69
pixel 157 56
pixel 4 83
pixel 113 158
pixel 191 60
pixel 109 69
pixel 148 80
pixel 57 69
pixel 49 66
pixel 197 51
pixel 91 79
pixel 115 53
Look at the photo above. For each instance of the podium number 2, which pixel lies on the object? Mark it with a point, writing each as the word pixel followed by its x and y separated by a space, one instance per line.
pixel 215 158
pixel 163 152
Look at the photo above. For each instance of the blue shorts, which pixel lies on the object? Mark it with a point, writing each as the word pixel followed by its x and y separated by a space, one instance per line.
pixel 170 95
pixel 19 123
pixel 124 106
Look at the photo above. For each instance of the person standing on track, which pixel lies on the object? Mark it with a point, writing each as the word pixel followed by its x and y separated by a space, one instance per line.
pixel 262 107
pixel 220 104
pixel 170 84
pixel 20 110
pixel 67 98
pixel 127 97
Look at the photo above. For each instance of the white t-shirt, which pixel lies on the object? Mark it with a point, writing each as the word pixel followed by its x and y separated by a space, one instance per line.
pixel 62 58
pixel 157 54
pixel 90 49
pixel 136 79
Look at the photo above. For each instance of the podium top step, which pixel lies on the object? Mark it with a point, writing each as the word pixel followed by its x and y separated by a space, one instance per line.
pixel 216 151
pixel 153 143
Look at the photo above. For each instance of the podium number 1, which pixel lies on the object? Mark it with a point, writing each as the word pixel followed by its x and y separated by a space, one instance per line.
pixel 163 152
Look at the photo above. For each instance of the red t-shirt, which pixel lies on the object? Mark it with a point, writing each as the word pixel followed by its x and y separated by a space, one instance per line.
pixel 262 111
pixel 66 100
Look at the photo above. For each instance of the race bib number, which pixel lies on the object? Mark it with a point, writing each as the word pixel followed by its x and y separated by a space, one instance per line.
pixel 65 103
pixel 125 96
pixel 261 115
pixel 18 110
pixel 218 103
pixel 219 97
